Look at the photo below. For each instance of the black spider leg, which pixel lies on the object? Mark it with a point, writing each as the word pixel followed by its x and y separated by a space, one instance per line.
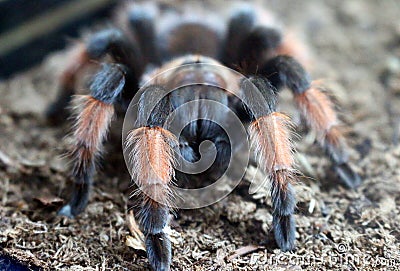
pixel 141 20
pixel 248 44
pixel 110 41
pixel 94 114
pixel 270 135
pixel 259 45
pixel 152 158
pixel 316 108
pixel 239 26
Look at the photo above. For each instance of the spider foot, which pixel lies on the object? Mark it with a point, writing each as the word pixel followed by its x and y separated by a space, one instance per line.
pixel 66 211
pixel 347 175
pixel 158 247
pixel 78 202
pixel 71 210
pixel 285 230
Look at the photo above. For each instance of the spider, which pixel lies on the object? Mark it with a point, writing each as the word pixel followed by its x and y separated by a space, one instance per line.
pixel 150 39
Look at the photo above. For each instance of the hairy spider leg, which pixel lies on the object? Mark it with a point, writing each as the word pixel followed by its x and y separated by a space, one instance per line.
pixel 94 114
pixel 316 108
pixel 139 19
pixel 151 155
pixel 270 136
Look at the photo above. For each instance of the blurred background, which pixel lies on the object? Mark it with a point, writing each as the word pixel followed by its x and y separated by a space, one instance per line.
pixel 31 29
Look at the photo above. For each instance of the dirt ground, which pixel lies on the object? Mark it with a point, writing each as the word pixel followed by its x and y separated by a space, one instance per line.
pixel 352 43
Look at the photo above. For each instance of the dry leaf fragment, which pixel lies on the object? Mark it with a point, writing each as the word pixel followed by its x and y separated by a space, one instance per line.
pixel 136 241
pixel 49 200
pixel 244 251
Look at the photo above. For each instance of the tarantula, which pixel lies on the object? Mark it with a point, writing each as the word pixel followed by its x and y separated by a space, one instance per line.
pixel 156 37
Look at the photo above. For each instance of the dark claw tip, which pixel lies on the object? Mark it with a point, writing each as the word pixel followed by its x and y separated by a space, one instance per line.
pixel 66 211
pixel 348 176
pixel 285 232
pixel 158 248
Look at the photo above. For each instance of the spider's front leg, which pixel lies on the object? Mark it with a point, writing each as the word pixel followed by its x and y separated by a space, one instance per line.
pixel 94 114
pixel 317 109
pixel 110 41
pixel 270 134
pixel 152 158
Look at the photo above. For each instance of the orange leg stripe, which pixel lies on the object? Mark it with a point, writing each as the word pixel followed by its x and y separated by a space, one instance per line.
pixel 318 110
pixel 153 160
pixel 271 135
pixel 92 122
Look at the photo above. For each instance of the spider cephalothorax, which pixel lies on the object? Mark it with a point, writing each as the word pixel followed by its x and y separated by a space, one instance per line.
pixel 147 44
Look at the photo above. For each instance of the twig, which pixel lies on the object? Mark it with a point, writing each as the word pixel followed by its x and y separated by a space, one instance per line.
pixel 244 251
